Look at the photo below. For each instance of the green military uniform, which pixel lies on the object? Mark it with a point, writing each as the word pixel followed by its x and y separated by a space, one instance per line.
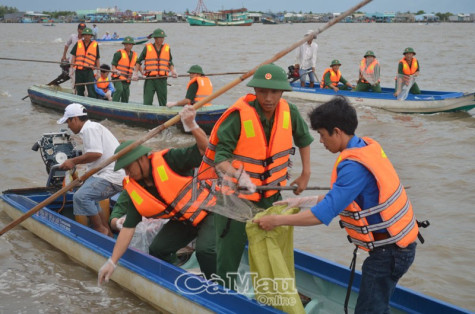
pixel 85 75
pixel 362 85
pixel 415 88
pixel 175 234
pixel 231 234
pixel 327 81
pixel 157 85
pixel 122 88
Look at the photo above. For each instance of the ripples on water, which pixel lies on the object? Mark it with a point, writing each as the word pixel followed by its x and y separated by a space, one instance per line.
pixel 432 153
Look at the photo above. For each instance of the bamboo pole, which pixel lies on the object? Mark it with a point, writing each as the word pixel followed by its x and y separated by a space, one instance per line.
pixel 176 118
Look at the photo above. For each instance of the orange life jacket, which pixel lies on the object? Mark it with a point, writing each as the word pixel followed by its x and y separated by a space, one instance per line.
pixel 182 196
pixel 155 65
pixel 394 206
pixel 334 77
pixel 103 84
pixel 266 163
pixel 125 66
pixel 409 70
pixel 367 69
pixel 86 58
pixel 205 88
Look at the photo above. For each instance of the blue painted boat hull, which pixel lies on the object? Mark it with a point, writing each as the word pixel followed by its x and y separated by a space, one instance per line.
pixel 316 278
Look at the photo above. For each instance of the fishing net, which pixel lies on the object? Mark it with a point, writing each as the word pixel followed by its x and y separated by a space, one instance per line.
pixel 403 85
pixel 372 78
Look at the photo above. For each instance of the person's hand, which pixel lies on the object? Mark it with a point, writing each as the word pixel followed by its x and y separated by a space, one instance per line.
pixel 67 165
pixel 135 76
pixel 306 201
pixel 116 72
pixel 105 272
pixel 336 89
pixel 120 222
pixel 171 104
pixel 98 74
pixel 244 181
pixel 268 222
pixel 173 73
pixel 187 115
pixel 109 95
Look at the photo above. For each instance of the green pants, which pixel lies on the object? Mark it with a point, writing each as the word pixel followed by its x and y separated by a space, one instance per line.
pixel 231 239
pixel 414 89
pixel 122 92
pixel 365 87
pixel 85 76
pixel 175 234
pixel 150 87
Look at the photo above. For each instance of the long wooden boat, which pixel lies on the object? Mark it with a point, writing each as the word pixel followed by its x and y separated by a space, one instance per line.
pixel 426 102
pixel 138 40
pixel 195 20
pixel 57 98
pixel 176 290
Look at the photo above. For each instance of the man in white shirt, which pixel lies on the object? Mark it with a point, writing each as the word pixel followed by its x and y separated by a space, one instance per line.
pixel 95 31
pixel 306 60
pixel 73 39
pixel 98 145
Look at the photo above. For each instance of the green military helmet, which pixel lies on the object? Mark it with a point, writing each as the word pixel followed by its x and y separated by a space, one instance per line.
pixel 131 156
pixel 407 50
pixel 196 69
pixel 270 76
pixel 87 31
pixel 128 40
pixel 158 33
pixel 335 62
pixel 369 53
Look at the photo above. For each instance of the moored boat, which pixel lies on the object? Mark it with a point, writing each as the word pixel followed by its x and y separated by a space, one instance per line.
pixel 173 289
pixel 57 98
pixel 194 20
pixel 426 102
pixel 138 40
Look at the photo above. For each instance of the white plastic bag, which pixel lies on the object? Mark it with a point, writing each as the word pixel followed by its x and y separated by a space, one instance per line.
pixel 145 232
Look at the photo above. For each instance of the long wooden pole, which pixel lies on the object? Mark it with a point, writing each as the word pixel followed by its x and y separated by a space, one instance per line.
pixel 176 118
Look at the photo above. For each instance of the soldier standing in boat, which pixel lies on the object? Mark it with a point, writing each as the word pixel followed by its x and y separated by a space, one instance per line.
pixel 123 64
pixel 158 65
pixel 73 39
pixel 86 58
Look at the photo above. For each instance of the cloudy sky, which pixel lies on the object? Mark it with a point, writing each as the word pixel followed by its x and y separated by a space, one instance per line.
pixel 429 6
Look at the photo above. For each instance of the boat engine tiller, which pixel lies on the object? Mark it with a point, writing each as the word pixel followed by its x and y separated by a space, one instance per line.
pixel 56 148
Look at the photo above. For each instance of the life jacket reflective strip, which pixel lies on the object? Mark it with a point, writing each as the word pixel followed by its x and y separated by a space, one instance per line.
pixel 155 65
pixel 86 59
pixel 334 77
pixel 394 207
pixel 367 69
pixel 183 196
pixel 266 163
pixel 409 70
pixel 103 84
pixel 125 66
pixel 205 88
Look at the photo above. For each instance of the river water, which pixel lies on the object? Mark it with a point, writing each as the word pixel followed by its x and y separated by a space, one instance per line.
pixel 433 154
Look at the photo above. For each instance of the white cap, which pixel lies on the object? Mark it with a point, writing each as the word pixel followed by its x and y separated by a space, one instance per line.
pixel 309 32
pixel 72 110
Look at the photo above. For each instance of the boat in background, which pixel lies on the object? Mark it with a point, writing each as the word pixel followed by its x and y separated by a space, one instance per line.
pixel 138 40
pixel 199 21
pixel 57 98
pixel 425 102
pixel 266 20
pixel 201 16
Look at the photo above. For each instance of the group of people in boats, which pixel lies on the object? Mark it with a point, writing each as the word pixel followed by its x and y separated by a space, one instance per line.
pixel 250 146
pixel 369 70
pixel 125 67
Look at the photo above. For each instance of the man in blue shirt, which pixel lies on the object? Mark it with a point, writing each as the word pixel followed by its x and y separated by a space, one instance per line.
pixel 362 179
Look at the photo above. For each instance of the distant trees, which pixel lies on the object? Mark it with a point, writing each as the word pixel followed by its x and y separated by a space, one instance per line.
pixel 443 16
pixel 57 14
pixel 7 10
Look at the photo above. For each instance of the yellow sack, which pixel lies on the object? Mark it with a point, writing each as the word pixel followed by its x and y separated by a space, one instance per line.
pixel 271 256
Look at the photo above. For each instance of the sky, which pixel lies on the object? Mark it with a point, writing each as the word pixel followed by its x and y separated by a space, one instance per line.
pixel 316 6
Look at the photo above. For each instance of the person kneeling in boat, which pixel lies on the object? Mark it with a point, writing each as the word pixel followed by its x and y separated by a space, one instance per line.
pixel 369 74
pixel 408 67
pixel 369 198
pixel 103 87
pixel 98 145
pixel 123 64
pixel 332 76
pixel 197 89
pixel 161 185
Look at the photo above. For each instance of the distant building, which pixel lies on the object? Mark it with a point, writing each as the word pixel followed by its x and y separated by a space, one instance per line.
pixel 426 18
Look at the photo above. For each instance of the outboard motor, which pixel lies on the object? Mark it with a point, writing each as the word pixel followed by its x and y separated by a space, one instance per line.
pixel 293 74
pixel 56 148
pixel 64 76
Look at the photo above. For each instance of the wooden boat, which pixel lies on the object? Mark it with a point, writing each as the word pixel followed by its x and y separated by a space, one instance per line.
pixel 57 98
pixel 266 20
pixel 173 289
pixel 138 40
pixel 426 102
pixel 234 17
pixel 194 20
